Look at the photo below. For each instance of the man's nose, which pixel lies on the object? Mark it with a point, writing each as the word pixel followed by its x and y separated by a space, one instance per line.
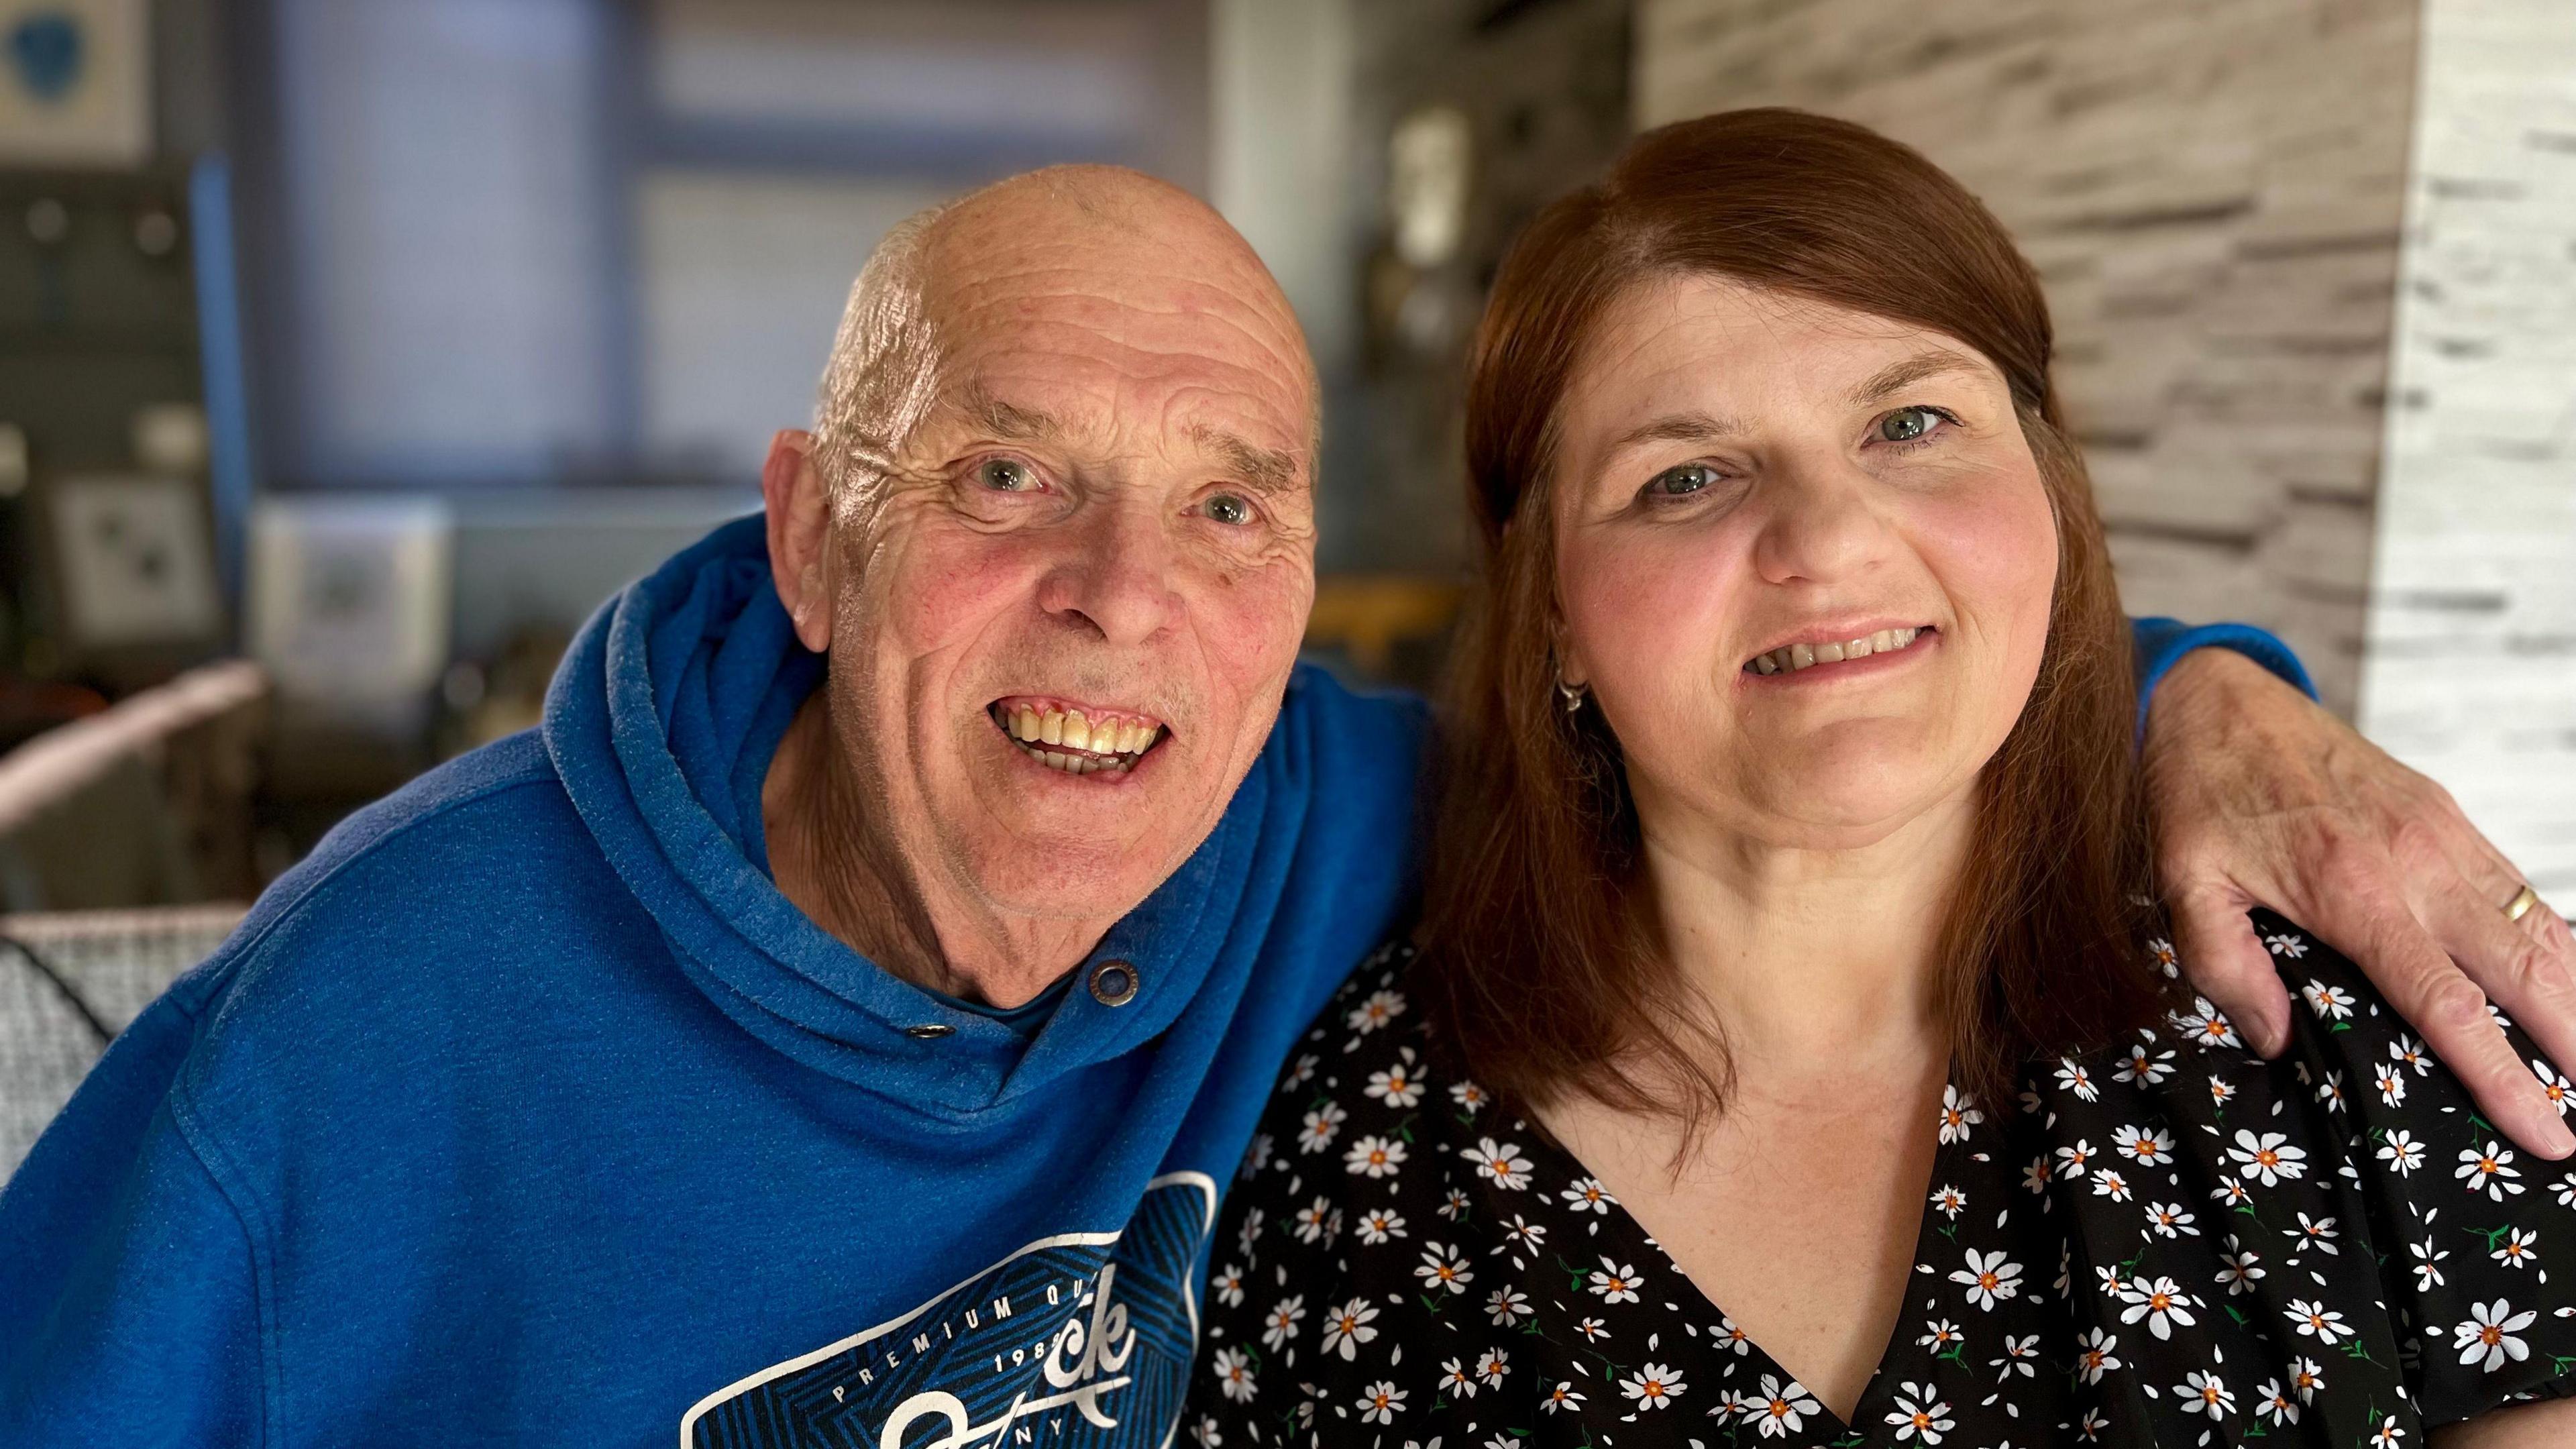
pixel 1118 575
pixel 1824 524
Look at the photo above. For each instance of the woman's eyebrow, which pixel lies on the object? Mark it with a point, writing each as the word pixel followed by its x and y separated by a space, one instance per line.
pixel 1678 428
pixel 1896 377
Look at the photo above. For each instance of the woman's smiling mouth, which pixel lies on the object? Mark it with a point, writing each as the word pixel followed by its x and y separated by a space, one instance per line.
pixel 1077 739
pixel 1798 657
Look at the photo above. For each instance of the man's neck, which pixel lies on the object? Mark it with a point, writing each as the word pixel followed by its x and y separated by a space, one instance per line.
pixel 1805 956
pixel 831 859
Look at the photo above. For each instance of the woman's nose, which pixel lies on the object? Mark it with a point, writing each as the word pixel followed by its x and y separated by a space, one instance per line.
pixel 1119 573
pixel 1824 525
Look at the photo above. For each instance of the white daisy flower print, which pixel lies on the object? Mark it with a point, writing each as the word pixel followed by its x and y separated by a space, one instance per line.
pixel 2316 1321
pixel 1988 1278
pixel 2387 1435
pixel 2169 1220
pixel 1234 1374
pixel 2206 1025
pixel 1443 1267
pixel 1380 1403
pixel 2072 1077
pixel 1455 1382
pixel 1652 1386
pixel 2306 1377
pixel 1564 1397
pixel 2406 1051
pixel 2160 1301
pixel 1453 1202
pixel 1523 1235
pixel 1380 1008
pixel 1729 1337
pixel 1258 1158
pixel 2487 1336
pixel 1281 1323
pixel 1499 1163
pixel 2553 1084
pixel 2111 1185
pixel 1947 1201
pixel 1491 1366
pixel 2146 1146
pixel 2019 1354
pixel 1779 1410
pixel 2161 952
pixel 1312 1218
pixel 1615 1282
pixel 1508 1306
pixel 2391 1082
pixel 2220 1089
pixel 1593 1330
pixel 2400 1150
pixel 1919 1415
pixel 2273 1403
pixel 2317 1233
pixel 2202 1393
pixel 2096 1354
pixel 2491 1172
pixel 1468 1097
pixel 2330 1003
pixel 1348 1327
pixel 1373 1155
pixel 1299 1074
pixel 1205 1433
pixel 1587 1195
pixel 1940 1334
pixel 2139 1067
pixel 2517 1248
pixel 2073 1161
pixel 1227 1285
pixel 2566 1191
pixel 2268 1157
pixel 2286 945
pixel 2428 1275
pixel 1321 1126
pixel 1250 1232
pixel 2230 1192
pixel 1377 1225
pixel 2239 1268
pixel 1959 1113
pixel 1396 1086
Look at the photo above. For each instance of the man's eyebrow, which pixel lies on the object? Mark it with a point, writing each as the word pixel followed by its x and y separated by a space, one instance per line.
pixel 1678 428
pixel 1896 377
pixel 1265 469
pixel 1008 420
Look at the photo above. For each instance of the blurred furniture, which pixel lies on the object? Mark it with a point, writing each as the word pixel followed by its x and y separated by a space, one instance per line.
pixel 1392 628
pixel 69 982
pixel 145 803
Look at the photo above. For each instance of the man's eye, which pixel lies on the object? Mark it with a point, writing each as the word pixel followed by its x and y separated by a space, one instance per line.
pixel 1004 475
pixel 1231 509
pixel 1681 482
pixel 1907 425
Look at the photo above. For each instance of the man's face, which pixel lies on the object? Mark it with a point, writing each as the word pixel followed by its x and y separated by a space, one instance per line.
pixel 1061 631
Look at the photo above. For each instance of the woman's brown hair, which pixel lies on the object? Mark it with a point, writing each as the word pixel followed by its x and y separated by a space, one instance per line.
pixel 1537 959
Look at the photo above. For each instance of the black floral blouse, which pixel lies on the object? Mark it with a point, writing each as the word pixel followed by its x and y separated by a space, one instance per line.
pixel 2173 1242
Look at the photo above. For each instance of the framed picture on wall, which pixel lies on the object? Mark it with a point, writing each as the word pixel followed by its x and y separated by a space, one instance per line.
pixel 75 82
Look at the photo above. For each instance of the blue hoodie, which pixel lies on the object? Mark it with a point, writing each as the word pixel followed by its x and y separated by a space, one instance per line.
pixel 527 1110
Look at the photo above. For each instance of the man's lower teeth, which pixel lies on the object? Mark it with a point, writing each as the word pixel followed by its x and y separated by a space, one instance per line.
pixel 1074 764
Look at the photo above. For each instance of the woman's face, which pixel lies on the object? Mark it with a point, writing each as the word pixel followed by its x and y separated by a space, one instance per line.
pixel 1804 558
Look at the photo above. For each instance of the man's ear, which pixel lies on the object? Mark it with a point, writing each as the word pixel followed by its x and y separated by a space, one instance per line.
pixel 800 532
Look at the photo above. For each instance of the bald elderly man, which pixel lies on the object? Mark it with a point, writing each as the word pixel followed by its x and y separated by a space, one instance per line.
pixel 836 1023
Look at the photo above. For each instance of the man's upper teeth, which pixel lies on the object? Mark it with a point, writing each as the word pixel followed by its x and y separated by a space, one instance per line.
pixel 1793 657
pixel 1073 729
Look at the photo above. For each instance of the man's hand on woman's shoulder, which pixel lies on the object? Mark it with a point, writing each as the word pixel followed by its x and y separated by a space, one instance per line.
pixel 2259 797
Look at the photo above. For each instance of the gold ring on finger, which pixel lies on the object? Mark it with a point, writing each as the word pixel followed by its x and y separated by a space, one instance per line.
pixel 2521 904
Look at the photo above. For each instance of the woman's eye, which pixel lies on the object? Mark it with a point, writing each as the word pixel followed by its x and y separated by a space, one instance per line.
pixel 1232 509
pixel 1907 425
pixel 1681 482
pixel 1005 475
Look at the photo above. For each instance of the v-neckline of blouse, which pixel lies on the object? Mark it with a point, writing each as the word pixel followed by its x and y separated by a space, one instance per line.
pixel 1868 1408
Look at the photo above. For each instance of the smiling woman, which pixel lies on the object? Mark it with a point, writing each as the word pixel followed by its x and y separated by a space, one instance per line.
pixel 1790 1051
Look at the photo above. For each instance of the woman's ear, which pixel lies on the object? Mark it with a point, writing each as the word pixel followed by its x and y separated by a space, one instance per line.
pixel 800 534
pixel 1569 665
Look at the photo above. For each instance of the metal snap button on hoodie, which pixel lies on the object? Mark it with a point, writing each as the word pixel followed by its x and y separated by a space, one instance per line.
pixel 1113 983
pixel 929 1031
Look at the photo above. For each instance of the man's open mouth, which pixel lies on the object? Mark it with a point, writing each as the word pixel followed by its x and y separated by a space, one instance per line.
pixel 1079 739
pixel 1791 658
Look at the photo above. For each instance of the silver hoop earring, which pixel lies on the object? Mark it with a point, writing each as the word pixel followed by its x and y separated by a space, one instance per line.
pixel 1572 694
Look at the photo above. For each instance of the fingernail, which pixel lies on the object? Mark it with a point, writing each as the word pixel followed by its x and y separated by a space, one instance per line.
pixel 2558 1141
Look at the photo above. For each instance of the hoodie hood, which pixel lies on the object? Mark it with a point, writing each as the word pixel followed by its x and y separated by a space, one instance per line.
pixel 661 723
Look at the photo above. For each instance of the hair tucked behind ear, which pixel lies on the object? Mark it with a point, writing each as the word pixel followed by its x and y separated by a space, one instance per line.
pixel 1536 952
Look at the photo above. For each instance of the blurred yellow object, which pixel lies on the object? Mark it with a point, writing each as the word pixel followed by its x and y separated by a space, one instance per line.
pixel 1368 615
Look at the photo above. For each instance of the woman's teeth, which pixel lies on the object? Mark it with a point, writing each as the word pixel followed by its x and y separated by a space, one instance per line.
pixel 1794 657
pixel 1089 746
